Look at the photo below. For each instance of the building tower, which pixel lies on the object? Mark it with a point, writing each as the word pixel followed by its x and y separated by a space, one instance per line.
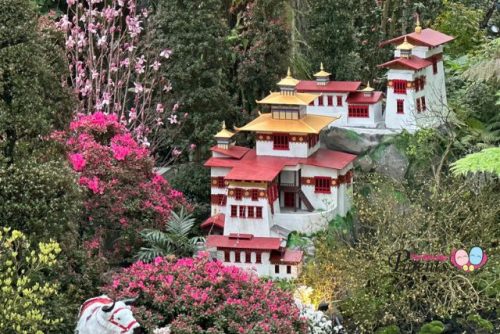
pixel 416 92
pixel 287 183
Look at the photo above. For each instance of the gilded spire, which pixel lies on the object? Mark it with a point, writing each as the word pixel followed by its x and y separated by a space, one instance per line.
pixel 405 46
pixel 368 88
pixel 322 73
pixel 418 28
pixel 321 67
pixel 224 133
pixel 288 80
pixel 288 73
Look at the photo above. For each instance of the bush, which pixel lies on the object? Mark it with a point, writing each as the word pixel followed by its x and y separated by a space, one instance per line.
pixel 433 327
pixel 25 294
pixel 203 296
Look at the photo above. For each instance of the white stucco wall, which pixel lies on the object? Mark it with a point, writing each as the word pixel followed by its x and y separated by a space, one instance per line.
pixel 332 111
pixel 296 149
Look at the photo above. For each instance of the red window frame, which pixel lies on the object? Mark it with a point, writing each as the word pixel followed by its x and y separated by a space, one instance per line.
pixel 312 140
pixel 320 101
pixel 258 257
pixel 358 111
pixel 281 141
pixel 399 86
pixel 242 212
pixel 237 256
pixel 238 194
pixel 434 66
pixel 255 194
pixel 227 256
pixel 330 100
pixel 258 212
pixel 400 106
pixel 220 182
pixel 339 101
pixel 322 184
pixel 417 84
pixel 250 211
pixel 419 106
pixel 234 211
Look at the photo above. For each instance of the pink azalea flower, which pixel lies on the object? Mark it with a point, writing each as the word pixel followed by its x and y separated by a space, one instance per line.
pixel 77 161
pixel 166 53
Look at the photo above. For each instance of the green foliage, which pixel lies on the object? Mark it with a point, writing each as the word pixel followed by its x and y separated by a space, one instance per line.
pixel 195 32
pixel 393 329
pixel 25 292
pixel 174 241
pixel 462 22
pixel 479 325
pixel 433 327
pixel 485 161
pixel 484 65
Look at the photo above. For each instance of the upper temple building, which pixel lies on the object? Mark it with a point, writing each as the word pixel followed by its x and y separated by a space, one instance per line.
pixel 286 183
pixel 416 92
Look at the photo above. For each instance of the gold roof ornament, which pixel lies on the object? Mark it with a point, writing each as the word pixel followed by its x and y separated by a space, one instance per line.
pixel 297 99
pixel 405 46
pixel 368 88
pixel 288 80
pixel 307 124
pixel 418 28
pixel 322 72
pixel 224 133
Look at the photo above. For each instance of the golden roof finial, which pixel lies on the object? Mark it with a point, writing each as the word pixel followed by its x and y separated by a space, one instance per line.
pixel 288 73
pixel 321 67
pixel 224 133
pixel 418 28
pixel 289 80
pixel 405 46
pixel 223 124
pixel 368 88
pixel 322 72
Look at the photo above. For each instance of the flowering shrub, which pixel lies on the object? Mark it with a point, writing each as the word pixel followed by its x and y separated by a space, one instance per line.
pixel 23 294
pixel 123 194
pixel 203 296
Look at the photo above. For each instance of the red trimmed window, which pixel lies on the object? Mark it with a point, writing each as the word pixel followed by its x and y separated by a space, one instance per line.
pixel 330 100
pixel 417 84
pixel 255 194
pixel 280 142
pixel 320 101
pixel 419 106
pixel 234 210
pixel 251 211
pixel 399 86
pixel 258 212
pixel 434 66
pixel 312 140
pixel 288 269
pixel 339 101
pixel 322 184
pixel 238 193
pixel 400 106
pixel 220 182
pixel 422 103
pixel 227 256
pixel 243 211
pixel 258 257
pixel 358 111
pixel 237 256
pixel 276 268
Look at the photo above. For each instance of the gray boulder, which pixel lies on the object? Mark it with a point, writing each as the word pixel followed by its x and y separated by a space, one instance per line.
pixel 391 162
pixel 365 163
pixel 349 141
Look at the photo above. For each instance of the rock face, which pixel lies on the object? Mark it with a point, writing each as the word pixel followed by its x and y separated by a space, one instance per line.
pixel 392 163
pixel 349 141
pixel 365 163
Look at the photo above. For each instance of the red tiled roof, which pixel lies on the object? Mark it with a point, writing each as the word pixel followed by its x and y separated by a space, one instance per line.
pixel 331 86
pixel 252 167
pixel 359 97
pixel 415 63
pixel 263 243
pixel 233 151
pixel 289 256
pixel 216 220
pixel 427 37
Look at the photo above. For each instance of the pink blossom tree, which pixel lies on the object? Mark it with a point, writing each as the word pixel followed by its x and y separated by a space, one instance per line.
pixel 122 193
pixel 114 69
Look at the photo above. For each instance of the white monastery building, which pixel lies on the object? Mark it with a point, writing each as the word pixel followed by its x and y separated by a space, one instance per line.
pixel 286 183
pixel 416 92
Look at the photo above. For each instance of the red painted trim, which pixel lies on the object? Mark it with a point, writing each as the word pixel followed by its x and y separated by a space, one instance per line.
pixel 91 301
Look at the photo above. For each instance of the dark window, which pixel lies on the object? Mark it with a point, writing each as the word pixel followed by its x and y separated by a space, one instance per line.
pixel 422 103
pixel 220 182
pixel 399 86
pixel 234 210
pixel 242 211
pixel 288 269
pixel 320 101
pixel 419 106
pixel 277 269
pixel 255 194
pixel 258 258
pixel 311 103
pixel 339 101
pixel 227 256
pixel 434 66
pixel 322 184
pixel 330 100
pixel 280 141
pixel 237 256
pixel 312 140
pixel 258 212
pixel 400 106
pixel 251 211
pixel 238 193
pixel 358 111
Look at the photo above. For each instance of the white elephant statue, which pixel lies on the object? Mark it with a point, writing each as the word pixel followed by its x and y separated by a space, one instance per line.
pixel 102 315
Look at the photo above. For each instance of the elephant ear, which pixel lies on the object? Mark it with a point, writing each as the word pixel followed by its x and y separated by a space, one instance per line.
pixel 107 309
pixel 130 301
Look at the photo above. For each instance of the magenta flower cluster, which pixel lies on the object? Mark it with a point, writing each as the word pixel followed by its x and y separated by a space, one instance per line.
pixel 204 296
pixel 123 193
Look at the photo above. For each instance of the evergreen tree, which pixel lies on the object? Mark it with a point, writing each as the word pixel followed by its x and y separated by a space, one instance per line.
pixel 38 194
pixel 198 67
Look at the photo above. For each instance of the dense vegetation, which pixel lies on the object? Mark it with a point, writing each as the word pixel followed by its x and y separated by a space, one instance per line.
pixel 84 119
